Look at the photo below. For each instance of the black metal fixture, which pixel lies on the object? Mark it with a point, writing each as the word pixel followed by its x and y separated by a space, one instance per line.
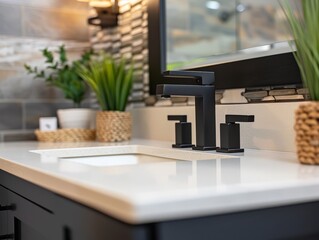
pixel 107 12
pixel 7 236
pixel 7 207
pixel 270 70
pixel 2 209
pixel 230 133
pixel 183 131
pixel 200 85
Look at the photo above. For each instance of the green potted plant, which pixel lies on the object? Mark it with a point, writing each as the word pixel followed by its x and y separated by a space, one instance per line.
pixel 112 83
pixel 60 73
pixel 303 19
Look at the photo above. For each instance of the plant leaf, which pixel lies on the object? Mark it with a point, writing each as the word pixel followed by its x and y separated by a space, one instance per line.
pixel 304 26
pixel 110 82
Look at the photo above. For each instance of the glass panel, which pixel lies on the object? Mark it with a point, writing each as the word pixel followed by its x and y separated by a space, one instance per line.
pixel 261 22
pixel 199 29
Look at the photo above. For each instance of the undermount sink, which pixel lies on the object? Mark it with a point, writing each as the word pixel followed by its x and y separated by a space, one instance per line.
pixel 123 155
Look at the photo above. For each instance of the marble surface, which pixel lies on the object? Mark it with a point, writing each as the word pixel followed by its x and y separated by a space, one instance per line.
pixel 168 189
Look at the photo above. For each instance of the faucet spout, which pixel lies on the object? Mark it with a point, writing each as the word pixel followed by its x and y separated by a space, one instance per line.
pixel 182 90
pixel 204 92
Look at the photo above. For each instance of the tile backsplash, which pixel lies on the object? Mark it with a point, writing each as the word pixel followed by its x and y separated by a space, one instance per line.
pixel 11 115
pixel 53 19
pixel 128 40
pixel 28 26
pixel 24 99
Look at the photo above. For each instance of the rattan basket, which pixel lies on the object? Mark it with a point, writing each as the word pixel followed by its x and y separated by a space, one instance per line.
pixel 113 126
pixel 66 135
pixel 307 133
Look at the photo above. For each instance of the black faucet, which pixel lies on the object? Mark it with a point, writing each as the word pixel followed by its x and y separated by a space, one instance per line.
pixel 200 85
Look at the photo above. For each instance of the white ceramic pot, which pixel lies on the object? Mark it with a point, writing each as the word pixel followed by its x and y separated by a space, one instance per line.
pixel 77 118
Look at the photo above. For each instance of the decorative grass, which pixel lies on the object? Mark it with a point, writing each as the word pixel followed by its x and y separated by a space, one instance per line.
pixel 303 19
pixel 111 82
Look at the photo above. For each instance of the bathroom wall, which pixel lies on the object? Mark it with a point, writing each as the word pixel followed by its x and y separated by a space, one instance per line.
pixel 30 25
pixel 272 129
pixel 128 40
pixel 53 19
pixel 26 27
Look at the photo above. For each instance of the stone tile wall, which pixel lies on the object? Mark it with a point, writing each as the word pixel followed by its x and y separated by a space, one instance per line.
pixel 26 27
pixel 128 40
pixel 24 99
pixel 53 19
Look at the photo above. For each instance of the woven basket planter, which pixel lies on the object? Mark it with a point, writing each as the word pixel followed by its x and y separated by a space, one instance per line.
pixel 113 126
pixel 307 133
pixel 66 135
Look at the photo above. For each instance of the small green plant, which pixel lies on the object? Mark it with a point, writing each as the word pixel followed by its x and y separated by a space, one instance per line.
pixel 62 74
pixel 111 82
pixel 303 19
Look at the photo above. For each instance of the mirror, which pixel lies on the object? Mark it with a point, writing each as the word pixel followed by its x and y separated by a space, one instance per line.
pixel 205 31
pixel 219 36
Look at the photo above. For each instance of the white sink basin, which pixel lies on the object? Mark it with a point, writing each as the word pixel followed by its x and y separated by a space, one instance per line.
pixel 124 155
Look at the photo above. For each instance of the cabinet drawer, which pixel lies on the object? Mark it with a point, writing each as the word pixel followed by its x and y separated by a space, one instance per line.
pixel 31 221
pixel 3 214
pixel 44 215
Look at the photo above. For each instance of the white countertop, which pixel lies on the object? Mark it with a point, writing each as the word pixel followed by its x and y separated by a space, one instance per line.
pixel 159 191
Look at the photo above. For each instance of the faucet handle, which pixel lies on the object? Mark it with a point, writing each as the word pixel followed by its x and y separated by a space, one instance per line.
pixel 183 131
pixel 180 118
pixel 230 133
pixel 239 118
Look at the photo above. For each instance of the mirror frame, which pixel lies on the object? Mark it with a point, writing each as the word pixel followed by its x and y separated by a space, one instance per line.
pixel 270 70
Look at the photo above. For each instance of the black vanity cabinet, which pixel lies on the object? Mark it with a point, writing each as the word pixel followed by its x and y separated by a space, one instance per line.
pixel 30 212
pixel 24 219
pixel 35 213
pixel 4 231
pixel 31 221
